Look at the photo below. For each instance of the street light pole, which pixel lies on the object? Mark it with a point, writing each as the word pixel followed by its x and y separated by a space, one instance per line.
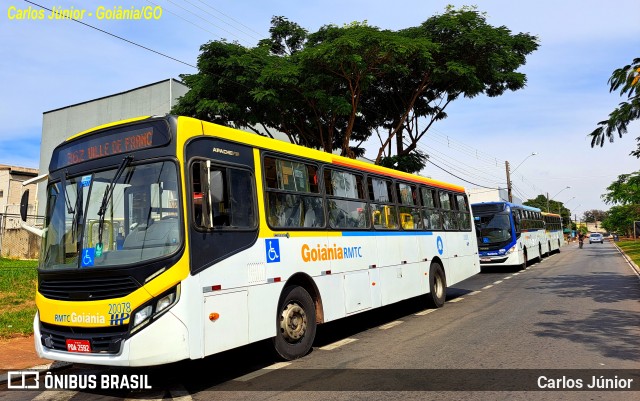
pixel 506 164
pixel 548 199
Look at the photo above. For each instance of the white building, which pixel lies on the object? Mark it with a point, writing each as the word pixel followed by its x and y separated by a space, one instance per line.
pixel 59 124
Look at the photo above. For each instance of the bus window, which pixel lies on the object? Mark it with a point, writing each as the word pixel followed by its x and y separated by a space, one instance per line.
pixel 464 217
pixel 383 211
pixel 226 201
pixel 409 212
pixel 449 220
pixel 432 218
pixel 293 194
pixel 345 200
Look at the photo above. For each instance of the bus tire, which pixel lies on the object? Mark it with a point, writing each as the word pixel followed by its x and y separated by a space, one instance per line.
pixel 295 323
pixel 437 286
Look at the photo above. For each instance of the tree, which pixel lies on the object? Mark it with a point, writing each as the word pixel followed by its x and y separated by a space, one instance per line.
pixel 625 190
pixel 554 206
pixel 471 57
pixel 620 218
pixel 627 79
pixel 332 89
pixel 594 215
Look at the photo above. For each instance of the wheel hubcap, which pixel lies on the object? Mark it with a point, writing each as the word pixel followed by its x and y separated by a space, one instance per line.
pixel 293 322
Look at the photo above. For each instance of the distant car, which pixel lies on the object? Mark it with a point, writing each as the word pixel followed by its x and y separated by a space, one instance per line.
pixel 596 237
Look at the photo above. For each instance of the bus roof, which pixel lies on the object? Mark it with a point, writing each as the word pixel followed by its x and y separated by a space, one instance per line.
pixel 512 205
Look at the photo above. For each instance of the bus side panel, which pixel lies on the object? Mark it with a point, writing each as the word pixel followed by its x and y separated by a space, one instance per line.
pixel 226 323
pixel 400 278
pixel 262 310
pixel 464 261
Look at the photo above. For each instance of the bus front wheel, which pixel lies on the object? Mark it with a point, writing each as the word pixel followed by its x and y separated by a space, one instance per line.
pixel 295 323
pixel 437 285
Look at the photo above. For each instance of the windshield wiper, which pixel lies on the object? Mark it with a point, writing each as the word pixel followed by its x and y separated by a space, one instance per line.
pixel 108 193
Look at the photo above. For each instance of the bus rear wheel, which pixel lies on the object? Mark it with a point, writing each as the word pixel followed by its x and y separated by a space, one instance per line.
pixel 437 285
pixel 295 323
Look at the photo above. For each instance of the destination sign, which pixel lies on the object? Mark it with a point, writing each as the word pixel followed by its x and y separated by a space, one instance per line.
pixel 109 144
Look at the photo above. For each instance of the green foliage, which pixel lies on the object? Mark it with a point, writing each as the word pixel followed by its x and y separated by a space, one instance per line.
pixel 409 163
pixel 333 88
pixel 624 79
pixel 620 218
pixel 553 206
pixel 593 215
pixel 625 190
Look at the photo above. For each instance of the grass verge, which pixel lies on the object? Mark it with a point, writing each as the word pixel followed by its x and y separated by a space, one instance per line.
pixel 17 294
pixel 631 249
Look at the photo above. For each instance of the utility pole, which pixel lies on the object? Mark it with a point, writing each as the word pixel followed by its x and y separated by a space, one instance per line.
pixel 506 164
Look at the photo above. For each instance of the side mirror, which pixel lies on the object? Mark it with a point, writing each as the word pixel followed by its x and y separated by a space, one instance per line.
pixel 24 205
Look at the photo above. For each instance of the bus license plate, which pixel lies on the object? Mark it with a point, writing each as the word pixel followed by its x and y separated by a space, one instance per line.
pixel 78 346
pixel 485 259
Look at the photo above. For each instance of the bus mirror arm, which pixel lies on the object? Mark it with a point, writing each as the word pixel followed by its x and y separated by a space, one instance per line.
pixel 24 206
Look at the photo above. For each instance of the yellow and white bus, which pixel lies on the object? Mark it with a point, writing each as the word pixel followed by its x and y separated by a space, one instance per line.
pixel 553 231
pixel 169 238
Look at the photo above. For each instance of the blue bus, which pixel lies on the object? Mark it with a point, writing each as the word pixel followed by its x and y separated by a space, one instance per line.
pixel 509 234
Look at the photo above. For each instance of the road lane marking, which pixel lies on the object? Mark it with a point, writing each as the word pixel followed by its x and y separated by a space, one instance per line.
pixel 425 312
pixel 486 287
pixel 507 278
pixel 474 293
pixel 515 274
pixel 262 371
pixel 390 325
pixel 497 282
pixel 338 344
pixel 455 300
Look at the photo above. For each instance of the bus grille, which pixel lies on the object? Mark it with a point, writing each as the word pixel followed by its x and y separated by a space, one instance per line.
pixel 88 289
pixel 103 339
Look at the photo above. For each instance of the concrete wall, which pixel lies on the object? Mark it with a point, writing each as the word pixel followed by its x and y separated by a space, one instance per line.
pixel 478 195
pixel 57 125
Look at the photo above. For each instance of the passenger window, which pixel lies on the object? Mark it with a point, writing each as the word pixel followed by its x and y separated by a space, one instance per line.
pixel 293 195
pixel 432 218
pixel 383 211
pixel 409 212
pixel 345 200
pixel 222 197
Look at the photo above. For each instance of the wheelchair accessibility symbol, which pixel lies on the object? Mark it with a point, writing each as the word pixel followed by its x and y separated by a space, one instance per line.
pixel 88 256
pixel 440 245
pixel 273 250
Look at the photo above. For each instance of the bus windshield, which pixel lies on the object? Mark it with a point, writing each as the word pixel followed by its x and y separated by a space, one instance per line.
pixel 115 217
pixel 493 228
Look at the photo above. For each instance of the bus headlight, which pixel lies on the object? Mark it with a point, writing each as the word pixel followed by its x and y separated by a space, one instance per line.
pixel 165 302
pixel 142 315
pixel 154 308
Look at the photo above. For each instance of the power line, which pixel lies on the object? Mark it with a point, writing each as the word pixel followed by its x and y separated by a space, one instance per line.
pixel 116 36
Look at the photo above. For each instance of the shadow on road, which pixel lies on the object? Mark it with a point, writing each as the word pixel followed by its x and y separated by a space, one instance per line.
pixel 612 332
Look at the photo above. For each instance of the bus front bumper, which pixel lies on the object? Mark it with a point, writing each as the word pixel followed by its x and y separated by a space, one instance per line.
pixel 165 340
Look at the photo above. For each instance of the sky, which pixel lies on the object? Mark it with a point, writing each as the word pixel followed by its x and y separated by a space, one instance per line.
pixel 49 64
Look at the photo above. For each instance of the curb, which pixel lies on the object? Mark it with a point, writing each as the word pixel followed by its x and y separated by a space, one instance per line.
pixel 631 263
pixel 49 367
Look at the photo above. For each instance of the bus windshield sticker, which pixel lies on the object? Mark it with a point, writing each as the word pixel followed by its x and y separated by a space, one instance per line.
pixel 88 256
pixel 86 181
pixel 272 250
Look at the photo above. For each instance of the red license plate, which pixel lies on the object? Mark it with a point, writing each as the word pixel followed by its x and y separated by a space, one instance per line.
pixel 78 346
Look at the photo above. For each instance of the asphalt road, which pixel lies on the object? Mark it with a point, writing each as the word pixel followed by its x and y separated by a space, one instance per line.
pixel 499 332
